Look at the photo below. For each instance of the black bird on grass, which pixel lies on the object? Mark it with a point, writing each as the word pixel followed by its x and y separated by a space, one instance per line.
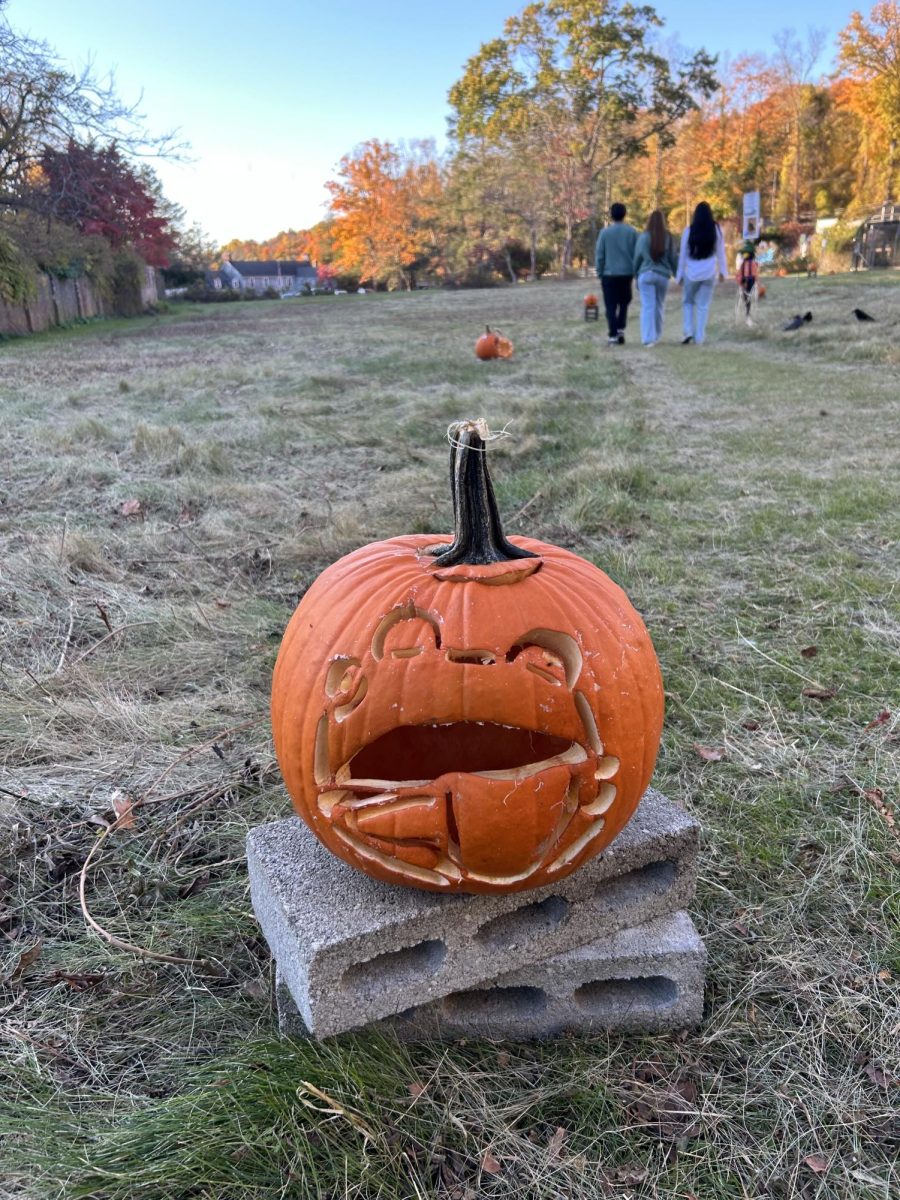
pixel 861 315
pixel 796 322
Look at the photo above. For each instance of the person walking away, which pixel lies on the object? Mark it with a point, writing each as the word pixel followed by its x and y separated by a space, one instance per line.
pixel 655 262
pixel 747 275
pixel 614 259
pixel 701 263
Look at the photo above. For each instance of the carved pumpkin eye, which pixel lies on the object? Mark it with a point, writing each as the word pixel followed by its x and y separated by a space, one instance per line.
pixel 541 662
pixel 346 684
pixel 554 656
pixel 404 633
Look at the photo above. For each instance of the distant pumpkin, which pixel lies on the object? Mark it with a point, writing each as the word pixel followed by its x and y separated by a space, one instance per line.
pixel 492 344
pixel 761 290
pixel 481 716
pixel 590 300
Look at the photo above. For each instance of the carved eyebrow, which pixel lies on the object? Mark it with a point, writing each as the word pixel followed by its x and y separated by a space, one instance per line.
pixel 563 645
pixel 405 612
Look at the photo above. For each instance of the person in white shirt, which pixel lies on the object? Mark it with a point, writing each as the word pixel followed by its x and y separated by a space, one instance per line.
pixel 700 263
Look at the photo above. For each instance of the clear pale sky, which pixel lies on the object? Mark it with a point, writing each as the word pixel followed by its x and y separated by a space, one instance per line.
pixel 270 95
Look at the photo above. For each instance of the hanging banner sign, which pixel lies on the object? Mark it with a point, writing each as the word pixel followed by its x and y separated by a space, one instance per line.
pixel 751 215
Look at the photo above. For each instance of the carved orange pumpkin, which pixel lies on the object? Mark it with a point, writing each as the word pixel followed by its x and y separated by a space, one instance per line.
pixel 590 300
pixel 475 717
pixel 491 344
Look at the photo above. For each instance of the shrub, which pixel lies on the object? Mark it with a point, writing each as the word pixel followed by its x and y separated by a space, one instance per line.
pixel 201 294
pixel 128 271
pixel 16 275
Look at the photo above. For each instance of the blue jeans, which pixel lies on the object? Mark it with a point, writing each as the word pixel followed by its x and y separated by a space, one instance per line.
pixel 652 288
pixel 698 294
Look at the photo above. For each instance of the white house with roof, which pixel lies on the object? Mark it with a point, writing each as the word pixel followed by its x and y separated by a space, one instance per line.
pixel 281 276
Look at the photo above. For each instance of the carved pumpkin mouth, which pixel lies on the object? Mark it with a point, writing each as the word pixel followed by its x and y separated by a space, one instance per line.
pixel 417 754
pixel 402 797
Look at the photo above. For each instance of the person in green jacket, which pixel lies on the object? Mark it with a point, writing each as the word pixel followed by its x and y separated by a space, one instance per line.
pixel 655 263
pixel 614 259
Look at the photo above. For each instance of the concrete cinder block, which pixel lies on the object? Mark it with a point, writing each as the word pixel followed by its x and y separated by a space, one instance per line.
pixel 647 979
pixel 352 950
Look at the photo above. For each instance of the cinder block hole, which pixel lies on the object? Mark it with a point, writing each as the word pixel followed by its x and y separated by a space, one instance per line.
pixel 604 997
pixel 396 966
pixel 491 1003
pixel 655 878
pixel 512 928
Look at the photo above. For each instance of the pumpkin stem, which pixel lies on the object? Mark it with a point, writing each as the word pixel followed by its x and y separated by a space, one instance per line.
pixel 478 536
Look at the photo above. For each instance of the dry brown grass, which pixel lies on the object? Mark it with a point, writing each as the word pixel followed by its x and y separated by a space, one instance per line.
pixel 746 496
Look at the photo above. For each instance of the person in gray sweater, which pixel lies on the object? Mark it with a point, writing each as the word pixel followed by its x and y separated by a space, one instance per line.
pixel 614 258
pixel 655 262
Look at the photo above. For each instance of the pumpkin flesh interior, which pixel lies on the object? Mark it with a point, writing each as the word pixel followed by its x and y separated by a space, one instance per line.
pixel 418 752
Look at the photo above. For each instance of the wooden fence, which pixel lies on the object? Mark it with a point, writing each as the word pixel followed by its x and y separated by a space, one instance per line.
pixel 60 301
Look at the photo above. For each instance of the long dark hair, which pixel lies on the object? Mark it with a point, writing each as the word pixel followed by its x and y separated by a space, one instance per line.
pixel 656 227
pixel 702 236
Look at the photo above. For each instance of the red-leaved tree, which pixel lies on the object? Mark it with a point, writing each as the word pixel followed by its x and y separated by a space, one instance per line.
pixel 95 189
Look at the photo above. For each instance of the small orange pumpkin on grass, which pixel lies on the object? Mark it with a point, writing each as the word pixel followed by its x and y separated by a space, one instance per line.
pixel 492 344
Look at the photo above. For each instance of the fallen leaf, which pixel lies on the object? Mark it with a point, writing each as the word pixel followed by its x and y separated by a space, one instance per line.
pixel 709 753
pixel 817 1163
pixel 882 719
pixel 630 1176
pixel 195 886
pixel 556 1142
pixel 489 1164
pixel 416 1090
pixel 809 651
pixel 665 1109
pixel 875 796
pixel 819 693
pixel 26 958
pixel 884 976
pixel 130 508
pixel 123 807
pixel 79 981
pixel 879 1077
pixel 503 1058
pixel 223 604
pixel 751 725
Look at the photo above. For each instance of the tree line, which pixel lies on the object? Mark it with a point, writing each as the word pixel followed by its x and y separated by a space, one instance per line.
pixel 579 102
pixel 77 196
pixel 575 103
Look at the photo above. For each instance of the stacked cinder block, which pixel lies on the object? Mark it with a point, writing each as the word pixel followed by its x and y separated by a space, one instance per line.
pixel 608 947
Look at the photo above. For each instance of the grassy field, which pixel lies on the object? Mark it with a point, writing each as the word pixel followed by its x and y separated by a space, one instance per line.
pixel 172 485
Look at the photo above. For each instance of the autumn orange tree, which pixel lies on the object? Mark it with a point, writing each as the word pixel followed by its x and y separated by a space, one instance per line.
pixel 870 50
pixel 385 202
